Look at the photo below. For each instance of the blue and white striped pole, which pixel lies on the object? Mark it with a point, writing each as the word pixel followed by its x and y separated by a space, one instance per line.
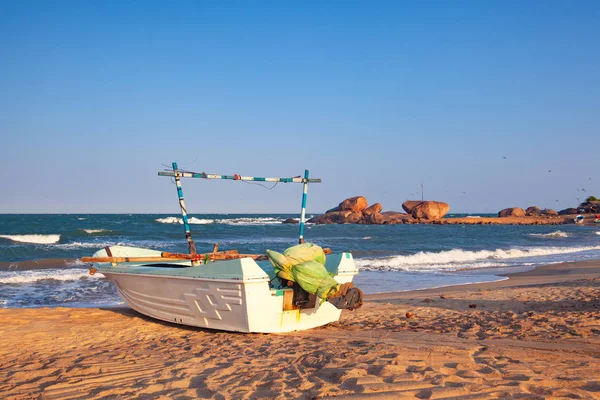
pixel 303 212
pixel 186 225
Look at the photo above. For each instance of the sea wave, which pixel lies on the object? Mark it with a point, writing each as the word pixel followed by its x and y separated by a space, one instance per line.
pixel 191 220
pixel 23 277
pixel 455 259
pixel 225 221
pixel 551 235
pixel 152 244
pixel 34 239
pixel 92 231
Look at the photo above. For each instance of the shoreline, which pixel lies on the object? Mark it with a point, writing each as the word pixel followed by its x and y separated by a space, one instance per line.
pixel 540 274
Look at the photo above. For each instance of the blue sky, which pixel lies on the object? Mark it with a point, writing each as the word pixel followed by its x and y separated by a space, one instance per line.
pixel 373 97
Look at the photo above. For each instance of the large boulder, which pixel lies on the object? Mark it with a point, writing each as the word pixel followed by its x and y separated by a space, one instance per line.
pixel 355 204
pixel 375 219
pixel 430 210
pixel 352 218
pixel 337 217
pixel 334 217
pixel 512 212
pixel 568 211
pixel 374 209
pixel 533 211
pixel 410 204
pixel 394 217
pixel 549 212
pixel 290 221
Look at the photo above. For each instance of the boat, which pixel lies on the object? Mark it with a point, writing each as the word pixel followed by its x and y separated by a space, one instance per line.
pixel 224 290
pixel 579 219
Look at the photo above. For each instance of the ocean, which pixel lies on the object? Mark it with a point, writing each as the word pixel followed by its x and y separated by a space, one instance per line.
pixel 40 266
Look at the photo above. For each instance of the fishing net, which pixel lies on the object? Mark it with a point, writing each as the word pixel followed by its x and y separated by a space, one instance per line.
pixel 305 265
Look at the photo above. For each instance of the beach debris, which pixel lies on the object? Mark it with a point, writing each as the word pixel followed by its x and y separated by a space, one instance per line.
pixel 427 300
pixel 472 305
pixel 409 315
pixel 442 296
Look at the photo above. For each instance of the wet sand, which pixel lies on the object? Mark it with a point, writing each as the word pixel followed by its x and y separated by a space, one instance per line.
pixel 535 335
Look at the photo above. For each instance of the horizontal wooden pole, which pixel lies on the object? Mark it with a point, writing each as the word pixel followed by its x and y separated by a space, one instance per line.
pixel 169 257
pixel 238 177
pixel 186 256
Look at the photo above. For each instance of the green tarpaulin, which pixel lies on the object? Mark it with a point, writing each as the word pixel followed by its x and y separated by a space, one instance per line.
pixel 305 265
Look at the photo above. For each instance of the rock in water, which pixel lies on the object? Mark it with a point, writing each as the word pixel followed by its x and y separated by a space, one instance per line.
pixel 568 211
pixel 334 217
pixel 394 217
pixel 430 210
pixel 512 212
pixel 410 204
pixel 533 211
pixel 353 218
pixel 290 221
pixel 375 218
pixel 374 209
pixel 355 204
pixel 549 212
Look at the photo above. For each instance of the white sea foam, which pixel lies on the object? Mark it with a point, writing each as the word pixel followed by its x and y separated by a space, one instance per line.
pixel 598 233
pixel 81 219
pixel 76 262
pixel 34 239
pixel 92 231
pixel 191 220
pixel 551 235
pixel 249 221
pixel 13 277
pixel 452 260
pixel 152 244
pixel 366 237
pixel 169 220
pixel 225 221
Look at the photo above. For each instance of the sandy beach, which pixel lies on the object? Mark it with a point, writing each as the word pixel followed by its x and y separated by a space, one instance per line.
pixel 535 335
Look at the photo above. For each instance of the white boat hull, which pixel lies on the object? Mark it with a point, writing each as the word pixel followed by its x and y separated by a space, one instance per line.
pixel 240 300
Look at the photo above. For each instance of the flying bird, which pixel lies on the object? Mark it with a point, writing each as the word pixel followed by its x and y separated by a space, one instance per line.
pixel 549 170
pixel 464 192
pixel 504 157
pixel 583 190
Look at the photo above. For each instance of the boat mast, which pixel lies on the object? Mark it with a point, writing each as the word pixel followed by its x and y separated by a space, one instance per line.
pixel 186 225
pixel 187 174
pixel 303 211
